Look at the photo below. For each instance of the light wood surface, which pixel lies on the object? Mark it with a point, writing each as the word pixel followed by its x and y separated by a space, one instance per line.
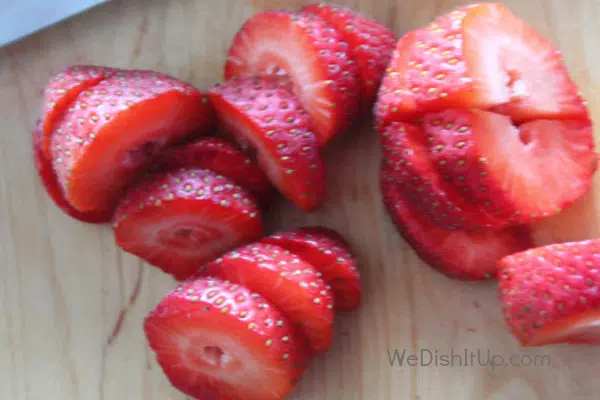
pixel 72 305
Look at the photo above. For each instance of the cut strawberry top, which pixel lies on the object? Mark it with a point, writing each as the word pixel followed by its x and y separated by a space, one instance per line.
pixel 217 340
pixel 312 53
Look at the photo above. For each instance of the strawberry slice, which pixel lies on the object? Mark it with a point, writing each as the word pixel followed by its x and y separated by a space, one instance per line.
pixel 458 254
pixel 219 156
pixel 261 113
pixel 43 166
pixel 312 53
pixel 483 56
pixel 406 154
pixel 111 131
pixel 518 173
pixel 289 283
pixel 179 220
pixel 217 340
pixel 371 44
pixel 550 294
pixel 62 89
pixel 328 252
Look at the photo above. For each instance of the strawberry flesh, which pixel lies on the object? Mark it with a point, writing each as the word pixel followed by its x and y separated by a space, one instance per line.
pixel 218 340
pixel 179 220
pixel 518 173
pixel 263 115
pixel 222 157
pixel 328 252
pixel 458 254
pixel 111 131
pixel 45 172
pixel 288 282
pixel 312 53
pixel 551 294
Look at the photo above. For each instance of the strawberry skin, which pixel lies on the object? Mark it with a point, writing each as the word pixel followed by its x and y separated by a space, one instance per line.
pixel 44 169
pixel 179 220
pixel 371 44
pixel 62 89
pixel 457 254
pixel 288 282
pixel 512 172
pixel 327 251
pixel 480 56
pixel 550 294
pixel 111 131
pixel 218 340
pixel 263 115
pixel 406 155
pixel 314 55
pixel 222 157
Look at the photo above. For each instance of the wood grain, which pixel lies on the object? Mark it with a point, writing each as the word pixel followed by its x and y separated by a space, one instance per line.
pixel 72 304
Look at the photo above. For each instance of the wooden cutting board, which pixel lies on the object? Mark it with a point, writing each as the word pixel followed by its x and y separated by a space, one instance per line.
pixel 72 305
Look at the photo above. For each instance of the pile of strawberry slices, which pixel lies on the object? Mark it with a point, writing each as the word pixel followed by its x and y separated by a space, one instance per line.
pixel 483 132
pixel 185 177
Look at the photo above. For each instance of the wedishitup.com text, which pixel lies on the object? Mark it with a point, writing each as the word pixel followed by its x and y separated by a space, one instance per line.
pixel 456 358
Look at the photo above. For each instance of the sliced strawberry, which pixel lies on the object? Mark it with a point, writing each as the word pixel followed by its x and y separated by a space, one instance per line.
pixel 179 220
pixel 371 44
pixel 406 153
pixel 219 156
pixel 458 254
pixel 288 282
pixel 47 176
pixel 328 252
pixel 217 340
pixel 520 173
pixel 261 113
pixel 111 131
pixel 62 89
pixel 312 53
pixel 483 56
pixel 551 294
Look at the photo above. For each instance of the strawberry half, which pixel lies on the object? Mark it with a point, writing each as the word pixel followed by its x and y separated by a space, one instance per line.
pixel 457 254
pixel 517 173
pixel 62 89
pixel 43 166
pixel 217 340
pixel 481 56
pixel 263 114
pixel 310 51
pixel 406 155
pixel 328 252
pixel 179 220
pixel 288 282
pixel 550 294
pixel 112 130
pixel 371 44
pixel 219 156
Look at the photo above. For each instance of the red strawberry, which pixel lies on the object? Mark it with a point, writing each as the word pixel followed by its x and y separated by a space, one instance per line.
pixel 62 89
pixel 312 53
pixel 518 173
pixel 551 294
pixel 371 44
pixel 112 130
pixel 219 156
pixel 217 340
pixel 329 253
pixel 406 155
pixel 262 114
pixel 179 220
pixel 483 56
pixel 289 283
pixel 458 254
pixel 47 176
